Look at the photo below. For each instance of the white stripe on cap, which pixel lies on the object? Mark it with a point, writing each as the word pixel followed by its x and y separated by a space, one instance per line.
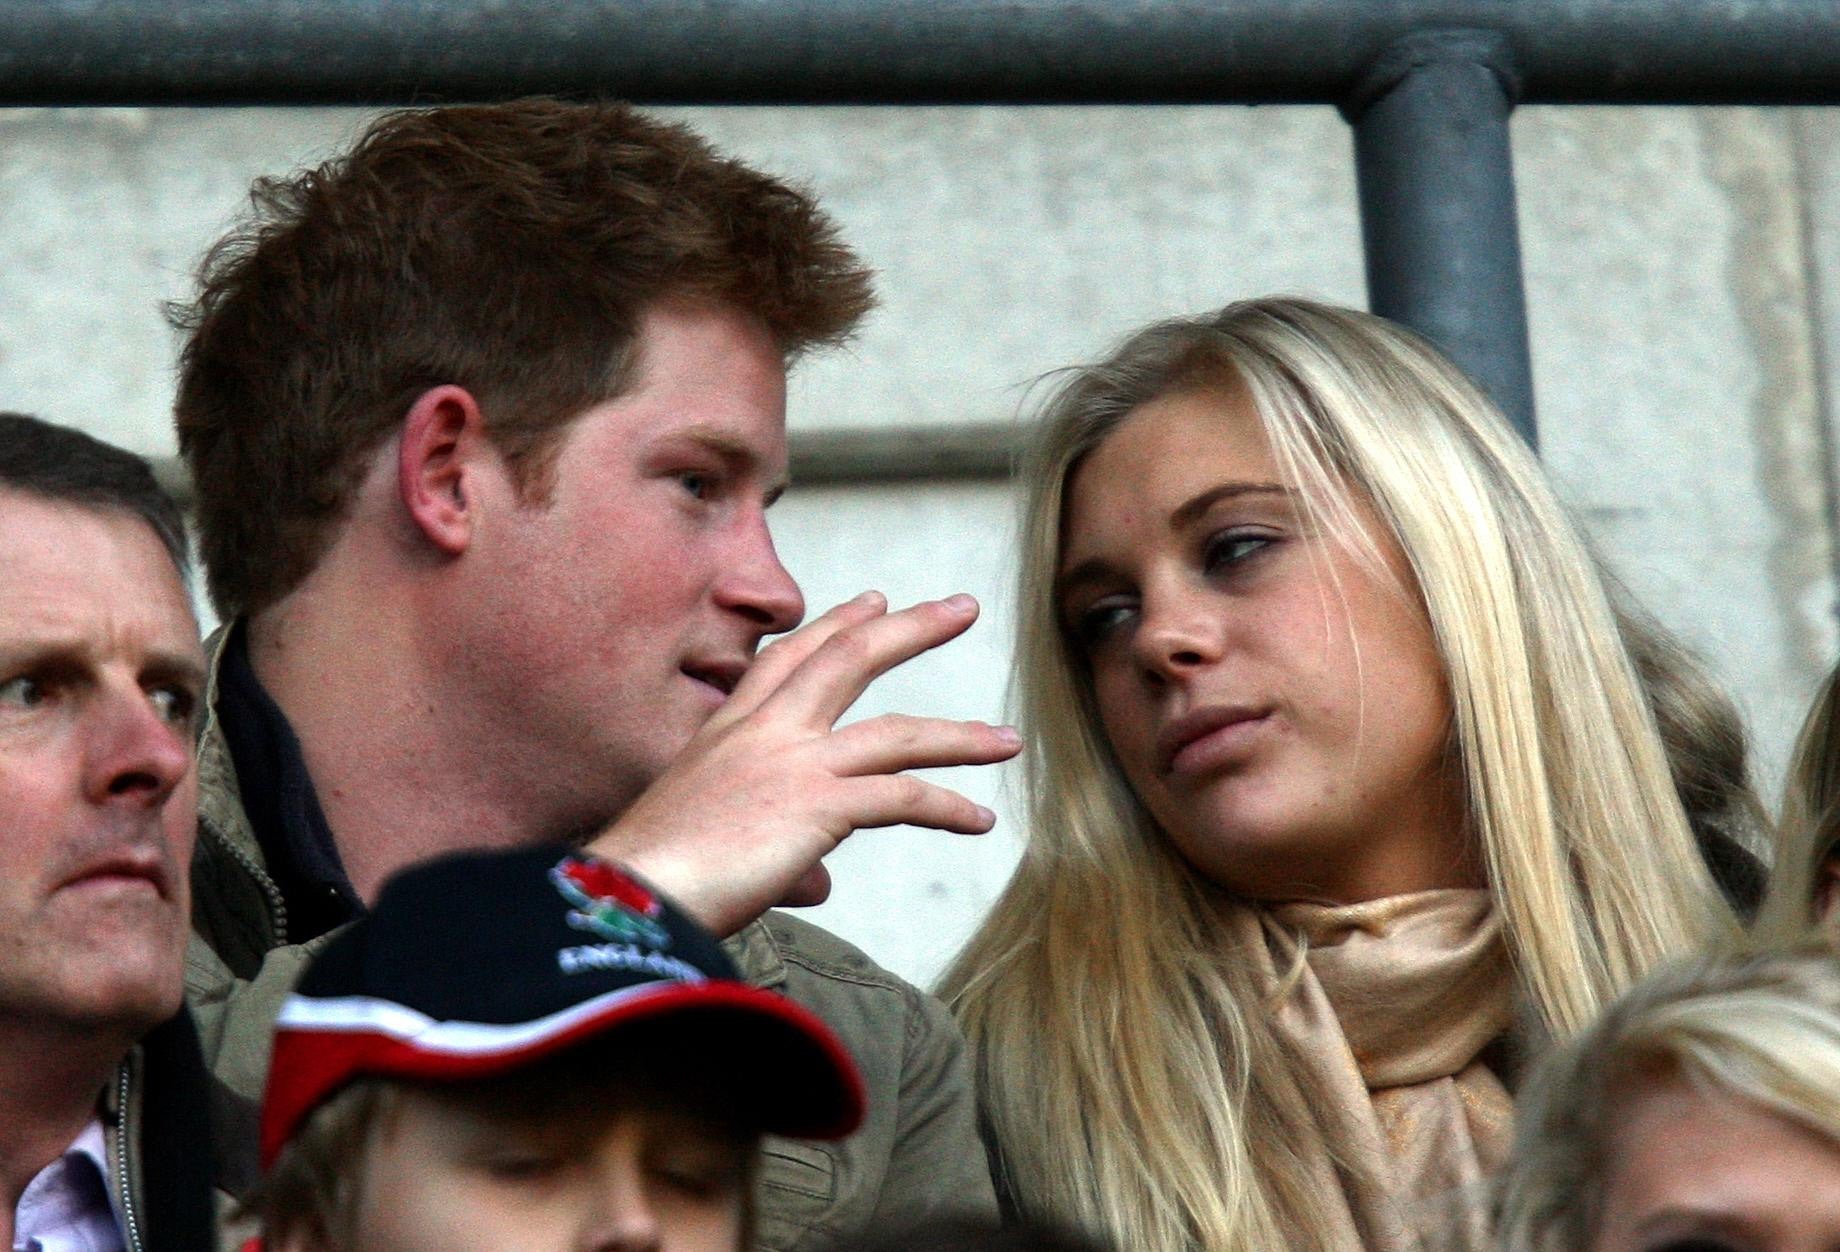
pixel 368 1014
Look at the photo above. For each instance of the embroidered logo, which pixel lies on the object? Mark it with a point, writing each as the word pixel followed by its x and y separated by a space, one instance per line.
pixel 608 903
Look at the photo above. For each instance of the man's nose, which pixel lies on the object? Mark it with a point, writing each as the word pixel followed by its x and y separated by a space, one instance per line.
pixel 756 585
pixel 134 752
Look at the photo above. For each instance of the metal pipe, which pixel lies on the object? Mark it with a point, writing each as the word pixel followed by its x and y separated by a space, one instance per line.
pixel 891 51
pixel 1436 183
pixel 912 453
pixel 831 457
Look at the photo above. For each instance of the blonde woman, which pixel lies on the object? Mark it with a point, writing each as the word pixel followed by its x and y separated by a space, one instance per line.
pixel 1701 1114
pixel 1343 786
pixel 1805 880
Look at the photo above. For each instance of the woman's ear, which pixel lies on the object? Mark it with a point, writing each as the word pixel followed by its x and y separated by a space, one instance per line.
pixel 437 460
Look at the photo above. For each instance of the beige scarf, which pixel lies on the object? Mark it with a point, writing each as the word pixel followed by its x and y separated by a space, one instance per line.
pixel 1393 1003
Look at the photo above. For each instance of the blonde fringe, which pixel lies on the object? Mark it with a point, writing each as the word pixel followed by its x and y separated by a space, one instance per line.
pixel 1761 1027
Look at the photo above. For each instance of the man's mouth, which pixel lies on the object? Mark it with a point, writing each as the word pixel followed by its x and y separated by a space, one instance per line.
pixel 722 675
pixel 126 869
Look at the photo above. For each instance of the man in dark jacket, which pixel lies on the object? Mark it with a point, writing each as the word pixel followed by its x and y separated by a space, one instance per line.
pixel 103 1139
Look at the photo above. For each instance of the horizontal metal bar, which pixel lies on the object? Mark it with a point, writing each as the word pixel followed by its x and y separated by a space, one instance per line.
pixel 830 458
pixel 890 51
pixel 904 453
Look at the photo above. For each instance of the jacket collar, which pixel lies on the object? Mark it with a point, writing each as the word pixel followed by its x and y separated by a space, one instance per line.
pixel 220 799
pixel 225 836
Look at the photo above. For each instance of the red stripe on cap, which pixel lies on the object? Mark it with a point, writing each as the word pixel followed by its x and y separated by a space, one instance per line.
pixel 310 1065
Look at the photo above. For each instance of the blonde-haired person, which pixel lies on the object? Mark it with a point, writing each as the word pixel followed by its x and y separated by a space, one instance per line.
pixel 1805 877
pixel 1343 786
pixel 1700 1114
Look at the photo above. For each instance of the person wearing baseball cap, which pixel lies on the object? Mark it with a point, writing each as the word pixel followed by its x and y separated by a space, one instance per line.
pixel 532 1050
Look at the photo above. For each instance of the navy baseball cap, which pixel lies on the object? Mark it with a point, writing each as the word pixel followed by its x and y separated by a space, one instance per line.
pixel 474 965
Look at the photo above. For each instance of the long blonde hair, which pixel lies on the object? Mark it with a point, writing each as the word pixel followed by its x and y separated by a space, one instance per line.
pixel 1130 1075
pixel 1810 825
pixel 1763 1028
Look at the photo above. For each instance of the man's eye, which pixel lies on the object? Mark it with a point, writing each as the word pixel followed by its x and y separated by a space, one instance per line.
pixel 175 704
pixel 22 693
pixel 698 484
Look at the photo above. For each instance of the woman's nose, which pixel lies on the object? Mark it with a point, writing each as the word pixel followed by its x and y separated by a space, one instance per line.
pixel 1178 633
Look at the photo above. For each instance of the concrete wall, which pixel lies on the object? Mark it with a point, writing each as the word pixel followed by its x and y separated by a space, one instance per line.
pixel 1681 266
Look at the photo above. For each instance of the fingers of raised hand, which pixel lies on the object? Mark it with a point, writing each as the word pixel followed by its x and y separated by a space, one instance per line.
pixel 896 741
pixel 787 653
pixel 830 679
pixel 898 799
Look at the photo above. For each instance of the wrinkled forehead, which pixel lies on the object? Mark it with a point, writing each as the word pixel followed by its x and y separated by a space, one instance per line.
pixel 85 571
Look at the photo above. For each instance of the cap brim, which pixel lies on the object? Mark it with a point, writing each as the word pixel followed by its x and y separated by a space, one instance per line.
pixel 796 1077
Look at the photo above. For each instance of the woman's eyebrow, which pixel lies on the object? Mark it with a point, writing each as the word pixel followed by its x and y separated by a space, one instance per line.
pixel 1196 507
pixel 1098 569
pixel 1091 570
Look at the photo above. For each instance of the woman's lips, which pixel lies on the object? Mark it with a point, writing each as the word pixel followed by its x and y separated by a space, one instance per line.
pixel 1199 740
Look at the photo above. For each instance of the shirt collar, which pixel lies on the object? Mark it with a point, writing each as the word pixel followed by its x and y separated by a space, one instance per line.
pixel 68 1206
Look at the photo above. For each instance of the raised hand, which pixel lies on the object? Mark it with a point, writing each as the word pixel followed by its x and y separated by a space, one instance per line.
pixel 744 816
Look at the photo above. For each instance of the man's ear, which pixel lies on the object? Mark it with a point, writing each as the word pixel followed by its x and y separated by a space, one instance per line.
pixel 437 463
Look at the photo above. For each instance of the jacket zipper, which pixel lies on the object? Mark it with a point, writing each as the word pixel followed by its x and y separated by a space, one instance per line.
pixel 277 907
pixel 129 1219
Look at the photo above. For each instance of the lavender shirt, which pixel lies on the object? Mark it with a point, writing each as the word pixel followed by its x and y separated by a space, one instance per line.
pixel 67 1206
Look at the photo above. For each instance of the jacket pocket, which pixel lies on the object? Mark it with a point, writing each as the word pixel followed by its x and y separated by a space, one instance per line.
pixel 798 1187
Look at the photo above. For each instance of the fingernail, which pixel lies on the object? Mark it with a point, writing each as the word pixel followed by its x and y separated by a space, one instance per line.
pixel 1009 735
pixel 986 816
pixel 961 603
pixel 869 597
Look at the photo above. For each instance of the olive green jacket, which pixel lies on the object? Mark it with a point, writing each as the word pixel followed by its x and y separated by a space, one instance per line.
pixel 917 1156
pixel 155 1133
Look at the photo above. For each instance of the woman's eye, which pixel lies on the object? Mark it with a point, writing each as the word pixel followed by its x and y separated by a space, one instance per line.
pixel 22 693
pixel 1100 622
pixel 1230 547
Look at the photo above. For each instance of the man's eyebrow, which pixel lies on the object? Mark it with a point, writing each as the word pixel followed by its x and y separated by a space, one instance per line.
pixel 75 653
pixel 737 452
pixel 184 667
pixel 1098 569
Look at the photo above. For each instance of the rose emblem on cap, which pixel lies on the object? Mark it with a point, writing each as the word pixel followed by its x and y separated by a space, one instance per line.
pixel 608 903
